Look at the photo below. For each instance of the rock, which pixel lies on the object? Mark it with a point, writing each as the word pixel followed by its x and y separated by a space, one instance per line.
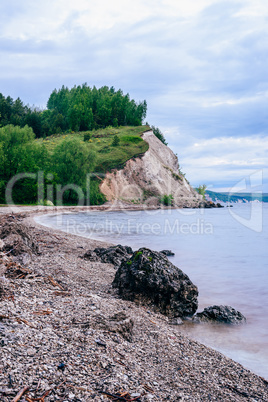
pixel 150 277
pixel 168 253
pixel 176 321
pixel 91 256
pixel 114 254
pixel 222 314
pixel 210 204
pixel 2 245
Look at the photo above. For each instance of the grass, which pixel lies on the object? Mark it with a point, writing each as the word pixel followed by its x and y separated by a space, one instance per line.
pixel 109 157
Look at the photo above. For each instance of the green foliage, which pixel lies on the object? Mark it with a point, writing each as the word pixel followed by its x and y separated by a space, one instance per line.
pixel 87 136
pixel 130 139
pixel 159 134
pixel 18 154
pixel 84 108
pixel 166 200
pixel 80 108
pixel 137 254
pixel 64 159
pixel 202 190
pixel 72 160
pixel 116 141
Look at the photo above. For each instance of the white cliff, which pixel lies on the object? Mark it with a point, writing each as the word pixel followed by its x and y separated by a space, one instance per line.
pixel 145 179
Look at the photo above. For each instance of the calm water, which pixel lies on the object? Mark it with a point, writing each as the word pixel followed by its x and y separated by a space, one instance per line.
pixel 224 252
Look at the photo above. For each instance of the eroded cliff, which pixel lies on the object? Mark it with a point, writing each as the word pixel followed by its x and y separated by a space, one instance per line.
pixel 148 178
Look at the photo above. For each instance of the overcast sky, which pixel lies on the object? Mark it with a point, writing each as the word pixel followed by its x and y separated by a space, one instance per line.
pixel 202 66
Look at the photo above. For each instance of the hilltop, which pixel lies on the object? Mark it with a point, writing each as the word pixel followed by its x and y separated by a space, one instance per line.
pixel 88 146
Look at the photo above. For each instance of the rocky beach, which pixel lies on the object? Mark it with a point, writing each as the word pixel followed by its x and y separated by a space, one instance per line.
pixel 67 335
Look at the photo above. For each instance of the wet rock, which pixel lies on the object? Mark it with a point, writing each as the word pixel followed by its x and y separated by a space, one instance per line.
pixel 150 277
pixel 114 255
pixel 222 314
pixel 176 321
pixel 210 204
pixel 168 253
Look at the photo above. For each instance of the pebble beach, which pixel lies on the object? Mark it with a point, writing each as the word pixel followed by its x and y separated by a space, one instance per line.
pixel 65 335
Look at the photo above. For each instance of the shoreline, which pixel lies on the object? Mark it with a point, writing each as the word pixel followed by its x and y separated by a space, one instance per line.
pixel 72 321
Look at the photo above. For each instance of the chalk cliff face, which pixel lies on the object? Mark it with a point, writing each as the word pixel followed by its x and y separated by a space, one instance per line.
pixel 145 179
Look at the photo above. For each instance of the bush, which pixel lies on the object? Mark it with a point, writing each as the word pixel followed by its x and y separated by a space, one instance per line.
pixel 116 141
pixel 159 134
pixel 202 190
pixel 166 200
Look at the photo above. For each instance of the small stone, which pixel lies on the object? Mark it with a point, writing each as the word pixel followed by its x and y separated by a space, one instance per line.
pixel 176 321
pixel 30 352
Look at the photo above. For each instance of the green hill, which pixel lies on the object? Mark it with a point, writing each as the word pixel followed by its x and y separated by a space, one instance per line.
pixel 70 165
pixel 109 155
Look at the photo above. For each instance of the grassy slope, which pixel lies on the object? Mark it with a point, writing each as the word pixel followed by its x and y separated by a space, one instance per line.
pixel 108 156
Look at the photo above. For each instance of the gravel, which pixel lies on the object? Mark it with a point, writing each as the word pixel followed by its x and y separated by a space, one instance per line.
pixel 65 335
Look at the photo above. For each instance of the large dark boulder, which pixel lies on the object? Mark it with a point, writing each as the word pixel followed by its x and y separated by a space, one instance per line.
pixel 150 277
pixel 111 255
pixel 221 314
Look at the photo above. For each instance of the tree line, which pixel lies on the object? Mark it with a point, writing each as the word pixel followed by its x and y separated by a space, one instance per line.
pixel 80 108
pixel 71 161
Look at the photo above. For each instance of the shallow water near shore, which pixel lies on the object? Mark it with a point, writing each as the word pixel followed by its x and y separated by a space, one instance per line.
pixel 223 251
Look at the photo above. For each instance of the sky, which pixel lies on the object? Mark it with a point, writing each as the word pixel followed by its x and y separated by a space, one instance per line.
pixel 201 65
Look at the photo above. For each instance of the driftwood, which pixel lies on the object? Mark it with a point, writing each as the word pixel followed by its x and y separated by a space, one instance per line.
pixel 20 393
pixel 55 283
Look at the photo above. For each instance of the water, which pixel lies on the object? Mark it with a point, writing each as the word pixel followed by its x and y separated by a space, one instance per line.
pixel 223 251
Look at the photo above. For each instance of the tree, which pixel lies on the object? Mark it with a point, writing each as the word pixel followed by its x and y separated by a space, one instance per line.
pixel 202 190
pixel 12 140
pixel 20 154
pixel 73 159
pixel 159 134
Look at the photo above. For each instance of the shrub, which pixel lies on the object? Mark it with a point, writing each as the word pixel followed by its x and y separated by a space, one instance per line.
pixel 166 200
pixel 116 141
pixel 202 190
pixel 159 134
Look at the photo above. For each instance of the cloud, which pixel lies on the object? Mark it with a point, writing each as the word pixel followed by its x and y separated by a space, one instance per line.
pixel 201 66
pixel 231 158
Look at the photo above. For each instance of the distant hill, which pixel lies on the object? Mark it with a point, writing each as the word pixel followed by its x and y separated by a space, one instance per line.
pixel 236 197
